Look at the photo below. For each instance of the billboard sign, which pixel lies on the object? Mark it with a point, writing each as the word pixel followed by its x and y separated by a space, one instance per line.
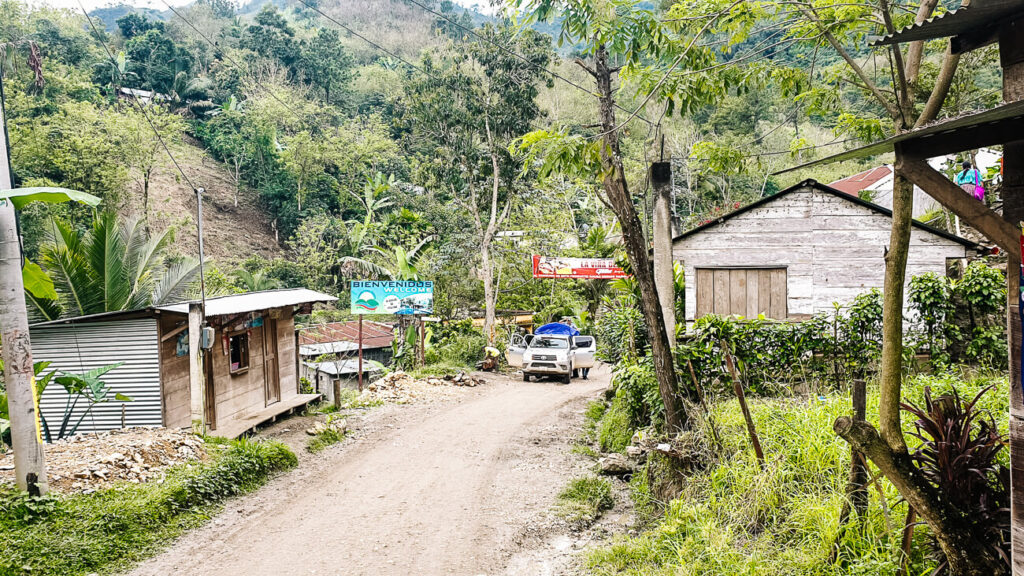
pixel 392 297
pixel 583 268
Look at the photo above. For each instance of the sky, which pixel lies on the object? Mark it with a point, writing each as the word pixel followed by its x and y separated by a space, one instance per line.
pixel 482 5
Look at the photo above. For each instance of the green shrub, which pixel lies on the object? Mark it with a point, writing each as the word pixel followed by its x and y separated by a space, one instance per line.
pixel 111 529
pixel 584 499
pixel 614 432
pixel 637 385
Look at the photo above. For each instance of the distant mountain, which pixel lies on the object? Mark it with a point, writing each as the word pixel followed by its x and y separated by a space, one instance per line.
pixel 109 14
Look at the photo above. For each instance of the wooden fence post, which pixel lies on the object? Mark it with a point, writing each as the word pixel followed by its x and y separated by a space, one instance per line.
pixel 738 389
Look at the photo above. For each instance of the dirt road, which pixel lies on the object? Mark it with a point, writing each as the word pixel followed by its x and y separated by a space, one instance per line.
pixel 457 487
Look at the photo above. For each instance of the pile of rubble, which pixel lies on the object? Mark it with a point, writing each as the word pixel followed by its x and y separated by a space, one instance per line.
pixel 88 462
pixel 403 388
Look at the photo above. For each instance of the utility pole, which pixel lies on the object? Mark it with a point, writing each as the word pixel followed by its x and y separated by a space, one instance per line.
pixel 19 377
pixel 664 276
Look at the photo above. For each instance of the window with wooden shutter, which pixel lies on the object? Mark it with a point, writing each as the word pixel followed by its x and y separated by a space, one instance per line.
pixel 745 292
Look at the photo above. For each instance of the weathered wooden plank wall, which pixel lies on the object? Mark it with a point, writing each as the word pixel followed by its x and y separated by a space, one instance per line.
pixel 832 250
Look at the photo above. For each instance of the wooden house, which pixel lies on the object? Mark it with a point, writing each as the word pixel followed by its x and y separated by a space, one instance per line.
pixel 251 371
pixel 792 254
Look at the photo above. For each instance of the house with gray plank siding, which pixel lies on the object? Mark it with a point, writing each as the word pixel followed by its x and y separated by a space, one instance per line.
pixel 793 254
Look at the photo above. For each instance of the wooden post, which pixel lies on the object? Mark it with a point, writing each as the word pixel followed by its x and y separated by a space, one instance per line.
pixel 360 352
pixel 738 389
pixel 19 376
pixel 1011 55
pixel 704 404
pixel 664 279
pixel 196 382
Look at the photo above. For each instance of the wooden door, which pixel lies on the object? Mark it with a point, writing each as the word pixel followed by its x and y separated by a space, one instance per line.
pixel 271 367
pixel 746 292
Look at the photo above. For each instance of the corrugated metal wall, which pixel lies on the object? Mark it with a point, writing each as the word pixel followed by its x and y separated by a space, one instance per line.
pixel 85 346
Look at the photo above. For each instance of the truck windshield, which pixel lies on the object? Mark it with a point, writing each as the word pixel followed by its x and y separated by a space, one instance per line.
pixel 549 343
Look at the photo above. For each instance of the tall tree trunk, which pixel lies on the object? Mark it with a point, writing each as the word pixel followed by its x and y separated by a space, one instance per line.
pixel 490 297
pixel 621 201
pixel 891 377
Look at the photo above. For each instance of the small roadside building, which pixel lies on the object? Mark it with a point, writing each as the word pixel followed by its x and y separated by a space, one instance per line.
pixel 251 373
pixel 791 255
pixel 323 375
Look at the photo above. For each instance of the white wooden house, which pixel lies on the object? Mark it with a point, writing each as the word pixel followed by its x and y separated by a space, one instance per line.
pixel 794 253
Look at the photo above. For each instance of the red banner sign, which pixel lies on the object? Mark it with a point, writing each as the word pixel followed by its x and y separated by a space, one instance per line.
pixel 591 268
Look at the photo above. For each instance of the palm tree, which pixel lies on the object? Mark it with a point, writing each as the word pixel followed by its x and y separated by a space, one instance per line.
pixel 115 265
pixel 255 281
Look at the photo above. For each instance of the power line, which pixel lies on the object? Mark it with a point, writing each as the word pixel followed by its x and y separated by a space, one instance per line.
pixel 135 98
pixel 363 38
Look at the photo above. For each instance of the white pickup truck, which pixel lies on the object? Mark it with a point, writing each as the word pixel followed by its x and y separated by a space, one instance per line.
pixel 556 355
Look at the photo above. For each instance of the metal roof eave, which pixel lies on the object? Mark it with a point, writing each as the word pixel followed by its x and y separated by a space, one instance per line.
pixel 978 127
pixel 979 19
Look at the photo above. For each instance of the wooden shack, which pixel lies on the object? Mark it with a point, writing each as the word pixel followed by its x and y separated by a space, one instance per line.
pixel 792 254
pixel 251 371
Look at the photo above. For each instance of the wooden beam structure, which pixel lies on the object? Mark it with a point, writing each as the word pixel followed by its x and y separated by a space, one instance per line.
pixel 977 214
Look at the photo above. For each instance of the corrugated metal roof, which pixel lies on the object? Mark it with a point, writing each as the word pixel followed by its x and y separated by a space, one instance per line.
pixel 327 348
pixel 80 347
pixel 375 334
pixel 861 181
pixel 344 367
pixel 253 301
pixel 979 15
pixel 964 123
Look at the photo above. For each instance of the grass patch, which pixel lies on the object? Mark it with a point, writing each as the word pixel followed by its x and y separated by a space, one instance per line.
pixel 583 500
pixel 109 530
pixel 328 436
pixel 440 370
pixel 733 518
pixel 613 431
pixel 592 417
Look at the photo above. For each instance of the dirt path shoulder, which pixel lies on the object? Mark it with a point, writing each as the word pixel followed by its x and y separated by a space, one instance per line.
pixel 455 487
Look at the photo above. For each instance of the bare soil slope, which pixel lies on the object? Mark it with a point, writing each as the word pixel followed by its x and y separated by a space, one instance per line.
pixel 230 234
pixel 454 487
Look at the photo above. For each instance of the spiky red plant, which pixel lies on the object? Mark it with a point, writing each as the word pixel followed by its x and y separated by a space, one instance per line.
pixel 958 454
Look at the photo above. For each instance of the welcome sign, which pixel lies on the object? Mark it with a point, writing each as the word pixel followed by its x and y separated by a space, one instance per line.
pixel 392 297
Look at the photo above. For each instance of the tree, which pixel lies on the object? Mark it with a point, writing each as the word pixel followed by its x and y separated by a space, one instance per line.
pixel 225 137
pixel 303 155
pixel 156 60
pixel 616 37
pixel 116 265
pixel 325 64
pixel 140 148
pixel 465 113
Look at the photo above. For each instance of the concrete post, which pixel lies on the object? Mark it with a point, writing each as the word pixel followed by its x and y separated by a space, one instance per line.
pixel 661 181
pixel 196 382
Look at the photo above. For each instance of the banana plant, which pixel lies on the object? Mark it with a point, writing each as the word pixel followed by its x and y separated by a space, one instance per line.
pixel 39 288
